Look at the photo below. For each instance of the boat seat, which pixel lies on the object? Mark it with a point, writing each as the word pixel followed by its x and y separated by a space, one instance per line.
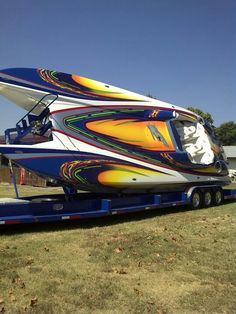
pixel 207 158
pixel 194 149
pixel 200 152
pixel 186 131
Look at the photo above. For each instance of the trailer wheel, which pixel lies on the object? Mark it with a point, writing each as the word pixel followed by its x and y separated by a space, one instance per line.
pixel 196 199
pixel 218 197
pixel 207 198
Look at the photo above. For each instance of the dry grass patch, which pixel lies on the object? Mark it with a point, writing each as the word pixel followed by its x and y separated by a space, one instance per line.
pixel 7 190
pixel 154 262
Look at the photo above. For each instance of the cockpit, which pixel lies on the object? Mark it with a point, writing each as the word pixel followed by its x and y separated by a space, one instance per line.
pixel 195 142
pixel 197 139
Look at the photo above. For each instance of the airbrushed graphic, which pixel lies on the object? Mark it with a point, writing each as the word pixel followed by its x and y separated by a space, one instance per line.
pixel 105 172
pixel 85 88
pixel 102 138
pixel 126 127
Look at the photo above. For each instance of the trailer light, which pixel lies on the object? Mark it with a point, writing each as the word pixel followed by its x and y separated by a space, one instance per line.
pixel 65 217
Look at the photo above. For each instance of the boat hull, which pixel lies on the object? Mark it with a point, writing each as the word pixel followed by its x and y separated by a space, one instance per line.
pixel 99 173
pixel 106 139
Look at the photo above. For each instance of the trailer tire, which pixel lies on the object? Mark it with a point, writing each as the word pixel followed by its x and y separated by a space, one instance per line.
pixel 196 199
pixel 207 198
pixel 218 197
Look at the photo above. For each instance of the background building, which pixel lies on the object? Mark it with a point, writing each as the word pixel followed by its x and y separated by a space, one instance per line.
pixel 230 152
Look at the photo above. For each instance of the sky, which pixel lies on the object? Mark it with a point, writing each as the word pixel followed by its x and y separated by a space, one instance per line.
pixel 180 51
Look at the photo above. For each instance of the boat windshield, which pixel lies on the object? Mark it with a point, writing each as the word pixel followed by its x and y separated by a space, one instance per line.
pixel 197 141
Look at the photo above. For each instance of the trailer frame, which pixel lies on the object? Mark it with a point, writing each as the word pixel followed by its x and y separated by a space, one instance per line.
pixel 88 205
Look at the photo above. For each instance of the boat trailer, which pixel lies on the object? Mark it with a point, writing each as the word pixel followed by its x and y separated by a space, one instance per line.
pixel 88 205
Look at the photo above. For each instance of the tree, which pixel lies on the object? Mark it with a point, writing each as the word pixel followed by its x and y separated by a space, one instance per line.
pixel 205 115
pixel 226 133
pixel 151 96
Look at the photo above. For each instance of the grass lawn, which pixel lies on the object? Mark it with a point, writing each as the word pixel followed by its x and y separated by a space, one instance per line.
pixel 162 261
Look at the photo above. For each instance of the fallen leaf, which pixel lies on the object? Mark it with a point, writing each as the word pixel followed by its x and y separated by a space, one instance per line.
pixel 18 281
pixel 14 276
pixel 122 272
pixel 171 258
pixel 119 249
pixel 119 271
pixel 22 285
pixel 12 298
pixel 25 307
pixel 138 292
pixel 33 302
pixel 29 260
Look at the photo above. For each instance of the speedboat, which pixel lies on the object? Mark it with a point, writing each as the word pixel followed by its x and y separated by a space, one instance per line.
pixel 103 139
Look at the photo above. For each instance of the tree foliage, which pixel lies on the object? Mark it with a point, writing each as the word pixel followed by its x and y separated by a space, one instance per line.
pixel 151 96
pixel 205 115
pixel 226 133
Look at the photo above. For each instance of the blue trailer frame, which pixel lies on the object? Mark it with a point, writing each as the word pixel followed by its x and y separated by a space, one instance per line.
pixel 87 205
